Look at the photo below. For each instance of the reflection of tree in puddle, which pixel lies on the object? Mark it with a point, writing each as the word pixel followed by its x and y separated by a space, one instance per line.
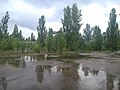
pixel 110 81
pixel 118 84
pixel 94 72
pixel 71 72
pixel 4 83
pixel 40 70
pixel 68 76
pixel 87 70
pixel 13 62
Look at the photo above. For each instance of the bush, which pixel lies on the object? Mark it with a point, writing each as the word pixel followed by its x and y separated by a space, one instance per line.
pixel 36 47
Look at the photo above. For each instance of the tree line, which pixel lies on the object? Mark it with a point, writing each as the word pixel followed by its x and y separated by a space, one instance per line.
pixel 68 38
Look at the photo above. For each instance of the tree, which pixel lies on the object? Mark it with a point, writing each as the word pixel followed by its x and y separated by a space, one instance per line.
pixel 112 31
pixel 36 47
pixel 50 40
pixel 20 36
pixel 5 45
pixel 41 31
pixel 4 25
pixel 87 37
pixel 97 38
pixel 32 37
pixel 1 33
pixel 104 39
pixel 16 44
pixel 76 18
pixel 76 25
pixel 71 27
pixel 67 25
pixel 23 46
pixel 15 31
pixel 60 42
pixel 87 33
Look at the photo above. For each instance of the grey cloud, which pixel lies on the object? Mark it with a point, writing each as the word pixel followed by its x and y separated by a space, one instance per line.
pixel 26 19
pixel 49 3
pixel 4 1
pixel 29 19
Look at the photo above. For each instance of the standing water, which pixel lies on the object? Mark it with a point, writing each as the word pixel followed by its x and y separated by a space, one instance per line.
pixel 33 73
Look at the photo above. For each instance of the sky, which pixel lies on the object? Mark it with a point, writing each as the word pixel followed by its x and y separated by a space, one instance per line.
pixel 26 13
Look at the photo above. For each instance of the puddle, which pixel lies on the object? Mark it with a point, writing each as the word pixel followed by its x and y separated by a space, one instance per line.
pixel 21 74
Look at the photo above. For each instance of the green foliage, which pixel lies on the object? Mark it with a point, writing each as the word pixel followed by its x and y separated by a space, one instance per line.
pixel 97 38
pixel 60 41
pixel 22 46
pixel 68 38
pixel 32 37
pixel 56 43
pixel 17 34
pixel 71 27
pixel 4 25
pixel 6 44
pixel 36 47
pixel 87 33
pixel 87 37
pixel 50 40
pixel 104 43
pixel 16 44
pixel 112 31
pixel 67 25
pixel 41 31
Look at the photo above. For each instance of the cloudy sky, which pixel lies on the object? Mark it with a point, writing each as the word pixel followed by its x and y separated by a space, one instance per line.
pixel 25 13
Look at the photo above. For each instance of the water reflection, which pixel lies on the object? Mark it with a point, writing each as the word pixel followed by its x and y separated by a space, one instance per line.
pixel 68 78
pixel 87 70
pixel 110 81
pixel 3 83
pixel 118 84
pixel 20 61
pixel 13 62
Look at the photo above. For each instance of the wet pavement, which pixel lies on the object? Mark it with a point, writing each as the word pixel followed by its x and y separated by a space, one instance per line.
pixel 35 73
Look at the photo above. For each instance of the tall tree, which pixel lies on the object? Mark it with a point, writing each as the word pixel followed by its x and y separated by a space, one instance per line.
pixel 60 42
pixel 104 39
pixel 32 37
pixel 67 22
pixel 76 25
pixel 50 40
pixel 1 33
pixel 76 18
pixel 112 31
pixel 87 33
pixel 71 26
pixel 15 31
pixel 41 31
pixel 16 44
pixel 97 37
pixel 4 25
pixel 20 36
pixel 87 37
pixel 5 42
